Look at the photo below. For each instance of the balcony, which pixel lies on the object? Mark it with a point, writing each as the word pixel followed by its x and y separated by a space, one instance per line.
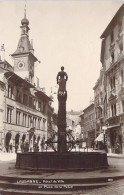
pixel 121 92
pixel 122 118
pixel 113 91
pixel 115 120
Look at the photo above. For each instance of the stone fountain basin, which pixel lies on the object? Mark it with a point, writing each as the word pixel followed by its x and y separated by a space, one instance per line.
pixel 67 161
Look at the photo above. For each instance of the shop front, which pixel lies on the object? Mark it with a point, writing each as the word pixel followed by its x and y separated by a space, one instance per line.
pixel 91 138
pixel 99 142
pixel 114 139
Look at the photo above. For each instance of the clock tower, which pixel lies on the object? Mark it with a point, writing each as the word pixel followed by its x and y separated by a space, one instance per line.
pixel 24 58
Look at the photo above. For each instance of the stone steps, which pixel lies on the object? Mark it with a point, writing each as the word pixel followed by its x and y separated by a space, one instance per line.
pixel 34 190
pixel 9 185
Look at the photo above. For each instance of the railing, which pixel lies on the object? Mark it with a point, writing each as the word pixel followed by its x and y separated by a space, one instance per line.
pixel 114 120
pixel 51 146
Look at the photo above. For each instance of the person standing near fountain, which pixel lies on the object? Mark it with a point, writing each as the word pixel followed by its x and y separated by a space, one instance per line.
pixel 62 78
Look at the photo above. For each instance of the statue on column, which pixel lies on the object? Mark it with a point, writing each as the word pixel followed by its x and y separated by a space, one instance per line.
pixel 62 77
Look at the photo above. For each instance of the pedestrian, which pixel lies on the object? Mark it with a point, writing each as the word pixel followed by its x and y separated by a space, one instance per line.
pixel 92 145
pixel 16 148
pixel 10 148
pixel 22 147
pixel 7 148
pixel 42 145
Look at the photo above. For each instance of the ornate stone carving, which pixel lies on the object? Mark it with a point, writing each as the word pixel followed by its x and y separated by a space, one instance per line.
pixel 62 77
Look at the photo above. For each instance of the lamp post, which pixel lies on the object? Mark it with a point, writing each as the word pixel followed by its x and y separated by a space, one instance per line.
pixel 104 128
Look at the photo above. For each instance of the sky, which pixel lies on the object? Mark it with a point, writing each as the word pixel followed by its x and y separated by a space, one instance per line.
pixel 65 33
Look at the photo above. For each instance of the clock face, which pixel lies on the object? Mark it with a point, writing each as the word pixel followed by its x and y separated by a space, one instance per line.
pixel 21 65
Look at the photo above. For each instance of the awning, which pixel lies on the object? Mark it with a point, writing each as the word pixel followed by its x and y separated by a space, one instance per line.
pixel 112 126
pixel 100 137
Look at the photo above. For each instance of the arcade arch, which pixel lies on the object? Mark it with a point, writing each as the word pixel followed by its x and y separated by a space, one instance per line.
pixel 7 141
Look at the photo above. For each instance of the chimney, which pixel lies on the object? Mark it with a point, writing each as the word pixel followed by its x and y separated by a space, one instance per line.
pixel 2 52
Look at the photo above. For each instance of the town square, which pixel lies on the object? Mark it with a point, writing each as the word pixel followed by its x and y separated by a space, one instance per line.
pixel 62 97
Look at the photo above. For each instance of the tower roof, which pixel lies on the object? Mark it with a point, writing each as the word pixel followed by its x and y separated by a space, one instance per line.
pixel 25 21
pixel 24 46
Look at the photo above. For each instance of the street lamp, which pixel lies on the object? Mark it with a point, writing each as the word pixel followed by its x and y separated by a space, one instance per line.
pixel 104 128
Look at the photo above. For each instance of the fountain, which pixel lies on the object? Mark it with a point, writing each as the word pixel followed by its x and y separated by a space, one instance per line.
pixel 62 159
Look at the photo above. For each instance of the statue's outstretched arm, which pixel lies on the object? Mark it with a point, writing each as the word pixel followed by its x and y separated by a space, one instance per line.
pixel 66 76
pixel 57 78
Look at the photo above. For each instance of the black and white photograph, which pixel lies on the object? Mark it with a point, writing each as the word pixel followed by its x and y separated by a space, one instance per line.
pixel 61 97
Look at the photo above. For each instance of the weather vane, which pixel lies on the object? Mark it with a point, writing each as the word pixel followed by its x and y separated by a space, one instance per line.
pixel 25 7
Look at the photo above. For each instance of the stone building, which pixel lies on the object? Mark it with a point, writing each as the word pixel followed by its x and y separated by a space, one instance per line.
pixel 73 123
pixel 88 124
pixel 74 116
pixel 25 110
pixel 99 108
pixel 82 124
pixel 112 58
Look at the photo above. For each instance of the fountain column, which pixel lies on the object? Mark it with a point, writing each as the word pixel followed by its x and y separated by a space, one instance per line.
pixel 62 97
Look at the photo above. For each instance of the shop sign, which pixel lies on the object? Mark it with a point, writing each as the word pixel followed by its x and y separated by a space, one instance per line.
pixel 104 127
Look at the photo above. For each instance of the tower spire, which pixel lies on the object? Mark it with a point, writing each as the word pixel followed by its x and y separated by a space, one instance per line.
pixel 25 9
pixel 25 22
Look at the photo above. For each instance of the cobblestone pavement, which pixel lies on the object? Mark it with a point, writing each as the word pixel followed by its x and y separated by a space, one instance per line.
pixel 115 188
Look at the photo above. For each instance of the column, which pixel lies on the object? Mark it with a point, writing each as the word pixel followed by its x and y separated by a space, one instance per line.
pixel 123 31
pixel 122 128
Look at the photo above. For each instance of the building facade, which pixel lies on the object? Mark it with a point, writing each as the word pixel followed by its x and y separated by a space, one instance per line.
pixel 100 106
pixel 112 59
pixel 88 125
pixel 25 110
pixel 73 124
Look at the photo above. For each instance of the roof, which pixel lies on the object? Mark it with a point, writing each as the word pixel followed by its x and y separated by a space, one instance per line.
pixel 88 107
pixel 43 95
pixel 24 47
pixel 2 83
pixel 113 21
pixel 97 83
pixel 82 115
pixel 18 80
pixel 74 112
pixel 5 65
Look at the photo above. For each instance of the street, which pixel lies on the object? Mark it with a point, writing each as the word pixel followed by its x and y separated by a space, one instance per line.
pixel 116 188
pixel 116 168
